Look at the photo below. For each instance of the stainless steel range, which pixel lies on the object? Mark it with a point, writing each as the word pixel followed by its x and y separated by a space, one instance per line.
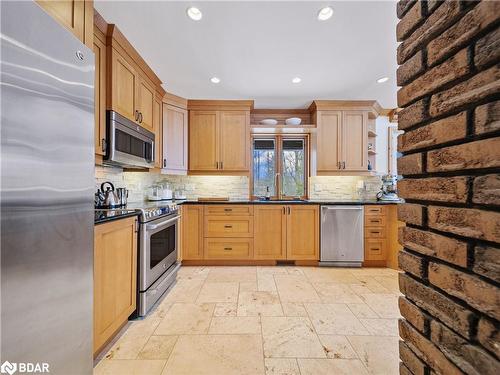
pixel 158 244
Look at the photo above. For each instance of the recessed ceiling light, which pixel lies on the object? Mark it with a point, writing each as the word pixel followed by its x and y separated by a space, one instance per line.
pixel 296 80
pixel 194 13
pixel 382 80
pixel 325 13
pixel 214 80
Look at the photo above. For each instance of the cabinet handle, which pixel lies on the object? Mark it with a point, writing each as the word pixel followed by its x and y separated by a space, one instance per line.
pixel 343 163
pixel 221 165
pixel 375 248
pixel 228 209
pixel 289 210
pixel 228 248
pixel 136 115
pixel 164 163
pixel 140 117
pixel 103 144
pixel 284 210
pixel 228 226
pixel 339 165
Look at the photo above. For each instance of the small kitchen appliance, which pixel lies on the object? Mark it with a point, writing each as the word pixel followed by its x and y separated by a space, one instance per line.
pixel 388 191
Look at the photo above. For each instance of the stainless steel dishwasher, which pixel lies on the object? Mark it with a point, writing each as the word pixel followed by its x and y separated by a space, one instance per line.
pixel 342 236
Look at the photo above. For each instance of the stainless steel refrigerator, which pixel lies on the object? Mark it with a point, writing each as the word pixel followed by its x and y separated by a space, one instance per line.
pixel 47 180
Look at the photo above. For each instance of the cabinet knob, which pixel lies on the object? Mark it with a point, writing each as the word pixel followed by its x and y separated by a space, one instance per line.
pixel 164 163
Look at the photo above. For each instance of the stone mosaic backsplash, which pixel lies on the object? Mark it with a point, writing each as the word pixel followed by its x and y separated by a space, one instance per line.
pixel 234 187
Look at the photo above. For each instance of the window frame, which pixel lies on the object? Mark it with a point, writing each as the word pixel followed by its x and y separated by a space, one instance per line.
pixel 278 141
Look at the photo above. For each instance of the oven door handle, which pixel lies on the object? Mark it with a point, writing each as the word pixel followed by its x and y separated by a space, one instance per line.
pixel 162 224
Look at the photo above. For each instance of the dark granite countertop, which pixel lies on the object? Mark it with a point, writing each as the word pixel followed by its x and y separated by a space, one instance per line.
pixel 103 216
pixel 308 201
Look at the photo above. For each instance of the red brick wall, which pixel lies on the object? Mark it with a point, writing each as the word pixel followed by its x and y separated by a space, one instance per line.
pixel 449 75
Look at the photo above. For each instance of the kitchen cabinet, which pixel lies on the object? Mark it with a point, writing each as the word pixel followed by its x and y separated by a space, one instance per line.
pixel 270 231
pixel 115 277
pixel 75 15
pixel 219 141
pixel 329 135
pixel 192 232
pixel 158 130
pixel 228 248
pixel 175 139
pixel 100 87
pixel 124 82
pixel 145 104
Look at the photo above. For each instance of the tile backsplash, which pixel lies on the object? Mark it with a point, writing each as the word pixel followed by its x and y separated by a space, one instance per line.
pixel 234 187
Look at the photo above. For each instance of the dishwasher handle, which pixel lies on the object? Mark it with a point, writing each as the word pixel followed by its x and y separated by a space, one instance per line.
pixel 341 207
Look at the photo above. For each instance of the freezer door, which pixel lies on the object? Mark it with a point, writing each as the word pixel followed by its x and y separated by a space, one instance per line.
pixel 47 183
pixel 342 234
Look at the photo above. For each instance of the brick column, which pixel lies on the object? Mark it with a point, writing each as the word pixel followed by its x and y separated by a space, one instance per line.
pixel 449 75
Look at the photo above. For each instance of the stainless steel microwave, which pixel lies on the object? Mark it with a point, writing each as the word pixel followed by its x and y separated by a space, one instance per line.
pixel 129 145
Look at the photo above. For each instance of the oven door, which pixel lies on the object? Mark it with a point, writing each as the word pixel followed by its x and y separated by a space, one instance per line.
pixel 159 241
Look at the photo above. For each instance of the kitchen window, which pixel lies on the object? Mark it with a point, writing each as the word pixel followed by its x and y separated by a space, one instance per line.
pixel 279 165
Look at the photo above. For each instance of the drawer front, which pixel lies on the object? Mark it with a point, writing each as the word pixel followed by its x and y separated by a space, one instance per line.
pixel 228 226
pixel 229 209
pixel 375 221
pixel 228 248
pixel 375 249
pixel 375 210
pixel 375 232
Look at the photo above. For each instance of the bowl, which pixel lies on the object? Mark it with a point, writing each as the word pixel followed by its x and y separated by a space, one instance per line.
pixel 268 121
pixel 293 121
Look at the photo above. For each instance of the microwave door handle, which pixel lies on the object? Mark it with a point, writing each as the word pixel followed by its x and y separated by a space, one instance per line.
pixel 162 224
pixel 153 151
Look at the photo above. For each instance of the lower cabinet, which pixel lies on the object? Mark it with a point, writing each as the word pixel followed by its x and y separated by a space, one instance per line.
pixel 302 232
pixel 115 277
pixel 192 232
pixel 270 231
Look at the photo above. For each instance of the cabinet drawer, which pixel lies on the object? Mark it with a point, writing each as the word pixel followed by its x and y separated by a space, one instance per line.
pixel 375 221
pixel 228 226
pixel 375 249
pixel 375 210
pixel 228 248
pixel 375 232
pixel 229 209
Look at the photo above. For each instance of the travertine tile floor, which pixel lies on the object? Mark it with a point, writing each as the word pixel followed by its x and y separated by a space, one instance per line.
pixel 266 320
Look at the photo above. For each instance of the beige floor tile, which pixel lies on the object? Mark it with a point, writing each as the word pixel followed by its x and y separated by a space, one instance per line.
pixel 373 285
pixel 249 325
pixel 373 271
pixel 127 347
pixel 330 275
pixel 187 272
pixel 216 354
pixel 294 309
pixel 295 271
pixel 232 274
pixel 281 366
pixel 271 270
pixel 218 292
pixel 337 347
pixel 334 319
pixel 295 289
pixel 381 327
pixel 259 303
pixel 248 286
pixel 184 290
pixel 385 305
pixel 129 367
pixel 391 283
pixel 331 367
pixel 289 337
pixel 158 347
pixel 380 355
pixel 362 310
pixel 336 293
pixel 226 309
pixel 266 283
pixel 186 318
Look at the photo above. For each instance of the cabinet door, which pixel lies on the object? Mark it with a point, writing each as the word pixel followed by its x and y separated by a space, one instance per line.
pixel 100 97
pixel 270 231
pixel 328 141
pixel 115 270
pixel 124 84
pixel 192 232
pixel 69 13
pixel 203 141
pixel 355 140
pixel 234 140
pixel 303 232
pixel 175 143
pixel 157 124
pixel 145 98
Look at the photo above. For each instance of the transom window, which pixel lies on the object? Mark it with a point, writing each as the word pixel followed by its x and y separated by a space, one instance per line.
pixel 280 166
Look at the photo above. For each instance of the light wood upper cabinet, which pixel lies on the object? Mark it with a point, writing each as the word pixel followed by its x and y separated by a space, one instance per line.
pixel 192 232
pixel 100 92
pixel 270 231
pixel 203 141
pixel 355 140
pixel 145 99
pixel 328 137
pixel 175 139
pixel 115 270
pixel 76 15
pixel 124 84
pixel 234 140
pixel 158 130
pixel 303 232
pixel 219 141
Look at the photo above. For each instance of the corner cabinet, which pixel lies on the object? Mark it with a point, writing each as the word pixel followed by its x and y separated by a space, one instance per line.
pixel 115 278
pixel 175 139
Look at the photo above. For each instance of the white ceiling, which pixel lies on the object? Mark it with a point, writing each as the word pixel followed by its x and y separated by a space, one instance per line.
pixel 257 47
